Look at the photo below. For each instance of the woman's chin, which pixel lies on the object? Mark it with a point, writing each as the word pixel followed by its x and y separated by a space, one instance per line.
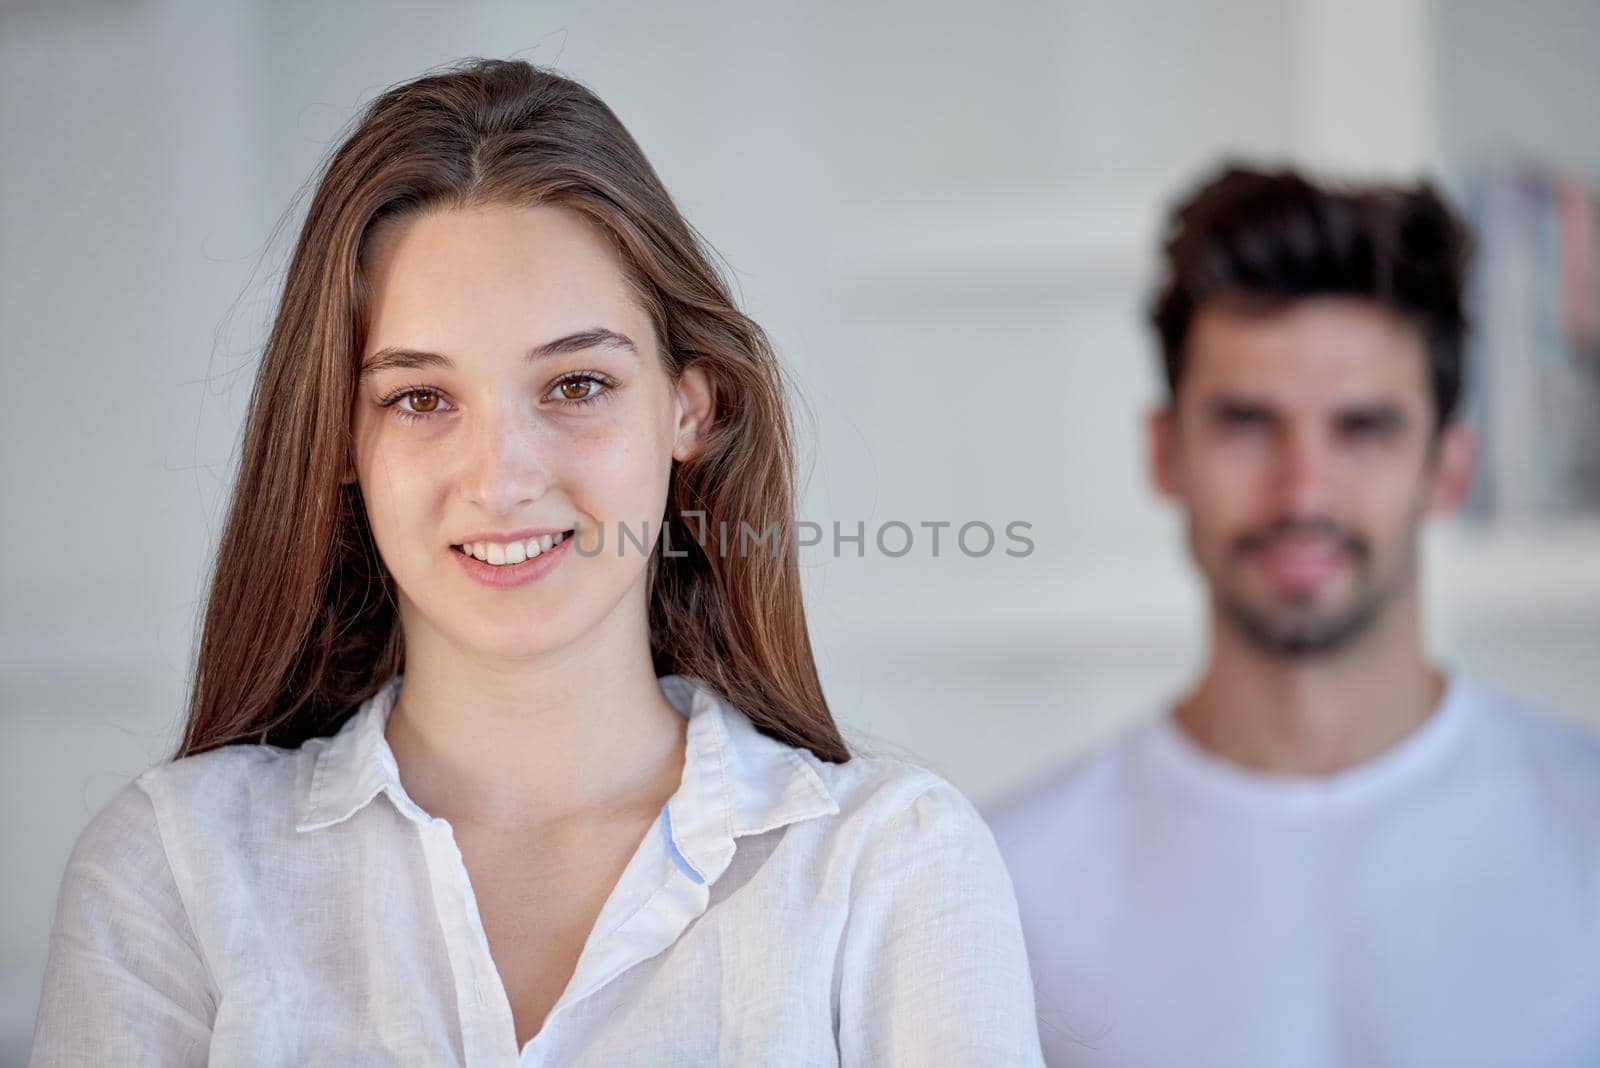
pixel 514 647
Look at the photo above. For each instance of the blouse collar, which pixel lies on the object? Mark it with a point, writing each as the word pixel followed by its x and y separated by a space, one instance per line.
pixel 736 780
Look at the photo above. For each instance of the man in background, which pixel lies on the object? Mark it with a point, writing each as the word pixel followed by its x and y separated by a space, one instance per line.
pixel 1330 851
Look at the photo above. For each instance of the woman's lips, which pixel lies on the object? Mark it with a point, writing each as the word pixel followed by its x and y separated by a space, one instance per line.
pixel 507 576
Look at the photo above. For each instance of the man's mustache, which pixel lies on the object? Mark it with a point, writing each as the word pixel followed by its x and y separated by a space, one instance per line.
pixel 1262 538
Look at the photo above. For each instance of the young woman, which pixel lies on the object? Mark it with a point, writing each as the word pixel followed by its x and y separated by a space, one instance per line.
pixel 503 746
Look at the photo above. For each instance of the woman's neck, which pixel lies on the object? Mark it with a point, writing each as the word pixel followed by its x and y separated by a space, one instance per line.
pixel 583 730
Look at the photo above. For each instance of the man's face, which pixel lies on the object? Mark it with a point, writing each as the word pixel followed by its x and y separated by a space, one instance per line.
pixel 1302 447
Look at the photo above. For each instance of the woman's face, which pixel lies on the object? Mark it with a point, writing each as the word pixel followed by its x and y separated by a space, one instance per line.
pixel 511 384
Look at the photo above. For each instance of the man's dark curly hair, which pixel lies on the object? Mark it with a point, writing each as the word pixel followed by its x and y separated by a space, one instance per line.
pixel 1261 240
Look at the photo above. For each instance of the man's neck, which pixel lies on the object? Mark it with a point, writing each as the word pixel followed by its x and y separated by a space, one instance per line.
pixel 1314 715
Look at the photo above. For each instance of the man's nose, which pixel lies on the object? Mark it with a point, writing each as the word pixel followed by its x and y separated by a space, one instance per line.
pixel 1303 473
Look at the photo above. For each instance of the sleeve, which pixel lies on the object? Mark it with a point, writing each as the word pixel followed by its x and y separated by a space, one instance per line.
pixel 933 967
pixel 124 982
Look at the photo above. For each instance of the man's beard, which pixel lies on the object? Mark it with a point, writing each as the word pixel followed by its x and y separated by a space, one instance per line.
pixel 1295 628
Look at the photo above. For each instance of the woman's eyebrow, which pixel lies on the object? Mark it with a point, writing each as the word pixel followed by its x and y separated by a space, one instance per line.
pixel 597 337
pixel 395 358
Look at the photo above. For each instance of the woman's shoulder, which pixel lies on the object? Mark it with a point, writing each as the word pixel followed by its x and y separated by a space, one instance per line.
pixel 118 865
pixel 223 810
pixel 871 790
pixel 225 799
pixel 884 793
pixel 929 906
pixel 233 773
pixel 121 830
pixel 925 877
pixel 231 777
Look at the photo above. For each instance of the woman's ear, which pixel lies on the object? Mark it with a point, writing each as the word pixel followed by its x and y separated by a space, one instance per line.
pixel 696 404
pixel 348 474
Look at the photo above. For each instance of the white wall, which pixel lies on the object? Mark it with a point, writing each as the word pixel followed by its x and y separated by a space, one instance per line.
pixel 1520 79
pixel 945 219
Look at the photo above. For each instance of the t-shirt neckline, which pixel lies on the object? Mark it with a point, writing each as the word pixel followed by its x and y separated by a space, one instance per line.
pixel 1181 758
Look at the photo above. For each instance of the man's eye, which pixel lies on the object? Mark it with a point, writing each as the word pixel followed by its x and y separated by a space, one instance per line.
pixel 1369 429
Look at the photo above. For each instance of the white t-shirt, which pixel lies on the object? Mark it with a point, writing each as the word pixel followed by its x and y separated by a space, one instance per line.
pixel 1437 905
pixel 256 905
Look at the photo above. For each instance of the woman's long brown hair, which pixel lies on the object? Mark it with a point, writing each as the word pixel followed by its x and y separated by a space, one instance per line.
pixel 300 624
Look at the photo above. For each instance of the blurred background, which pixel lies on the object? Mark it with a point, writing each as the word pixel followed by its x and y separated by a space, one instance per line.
pixel 947 220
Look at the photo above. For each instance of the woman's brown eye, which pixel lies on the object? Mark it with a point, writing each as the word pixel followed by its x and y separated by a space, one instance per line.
pixel 418 406
pixel 577 389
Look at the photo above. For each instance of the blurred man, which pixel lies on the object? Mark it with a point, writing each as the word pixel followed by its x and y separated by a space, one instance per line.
pixel 1330 851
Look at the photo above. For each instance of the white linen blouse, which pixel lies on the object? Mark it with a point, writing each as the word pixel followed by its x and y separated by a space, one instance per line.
pixel 256 905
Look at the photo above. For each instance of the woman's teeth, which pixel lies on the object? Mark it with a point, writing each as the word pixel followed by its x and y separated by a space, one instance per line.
pixel 512 552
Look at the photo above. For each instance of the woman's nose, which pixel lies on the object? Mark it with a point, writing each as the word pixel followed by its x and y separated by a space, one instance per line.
pixel 506 465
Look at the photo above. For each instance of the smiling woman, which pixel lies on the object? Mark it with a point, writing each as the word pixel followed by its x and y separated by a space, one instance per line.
pixel 457 787
pixel 569 435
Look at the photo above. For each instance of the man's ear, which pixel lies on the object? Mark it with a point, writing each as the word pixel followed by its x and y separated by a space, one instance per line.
pixel 1161 440
pixel 696 405
pixel 1455 463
